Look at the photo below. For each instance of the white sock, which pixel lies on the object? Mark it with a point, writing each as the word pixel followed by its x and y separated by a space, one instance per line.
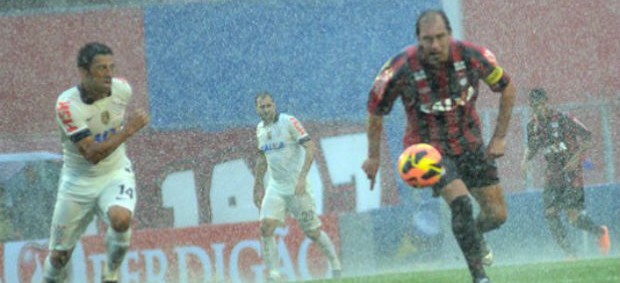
pixel 116 245
pixel 326 245
pixel 50 272
pixel 270 254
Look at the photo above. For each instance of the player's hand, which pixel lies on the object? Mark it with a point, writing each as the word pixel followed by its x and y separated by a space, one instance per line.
pixel 496 147
pixel 371 167
pixel 300 188
pixel 137 121
pixel 259 193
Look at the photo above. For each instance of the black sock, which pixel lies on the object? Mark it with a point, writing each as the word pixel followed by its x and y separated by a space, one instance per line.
pixel 559 234
pixel 584 222
pixel 467 235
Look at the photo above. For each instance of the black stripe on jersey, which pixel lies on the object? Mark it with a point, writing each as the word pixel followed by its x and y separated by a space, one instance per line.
pixel 80 135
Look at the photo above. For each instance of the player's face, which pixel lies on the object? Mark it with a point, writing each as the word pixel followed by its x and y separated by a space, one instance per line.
pixel 539 107
pixel 434 38
pixel 266 109
pixel 98 78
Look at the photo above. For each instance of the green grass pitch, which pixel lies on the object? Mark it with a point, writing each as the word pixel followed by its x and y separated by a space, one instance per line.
pixel 605 270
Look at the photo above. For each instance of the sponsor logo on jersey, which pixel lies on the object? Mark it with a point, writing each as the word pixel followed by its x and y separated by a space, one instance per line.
pixel 64 114
pixel 272 146
pixel 298 126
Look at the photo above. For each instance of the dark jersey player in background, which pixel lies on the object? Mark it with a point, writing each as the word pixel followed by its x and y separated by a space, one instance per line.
pixel 563 141
pixel 437 82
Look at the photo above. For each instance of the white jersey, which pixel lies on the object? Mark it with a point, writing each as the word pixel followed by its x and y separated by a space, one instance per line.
pixel 100 119
pixel 281 141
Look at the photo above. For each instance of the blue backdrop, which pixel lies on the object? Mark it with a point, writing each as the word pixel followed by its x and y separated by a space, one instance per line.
pixel 319 58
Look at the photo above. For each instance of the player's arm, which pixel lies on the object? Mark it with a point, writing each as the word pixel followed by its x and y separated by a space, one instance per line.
pixel 94 152
pixel 585 142
pixel 310 147
pixel 260 169
pixel 533 143
pixel 498 81
pixel 385 90
pixel 374 131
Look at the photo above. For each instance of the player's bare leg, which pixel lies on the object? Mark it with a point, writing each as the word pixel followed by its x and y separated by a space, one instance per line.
pixel 270 249
pixel 325 243
pixel 464 227
pixel 117 241
pixel 493 214
pixel 558 231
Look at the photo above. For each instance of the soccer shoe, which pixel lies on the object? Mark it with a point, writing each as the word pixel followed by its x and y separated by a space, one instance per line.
pixel 482 280
pixel 486 253
pixel 109 276
pixel 604 243
pixel 274 276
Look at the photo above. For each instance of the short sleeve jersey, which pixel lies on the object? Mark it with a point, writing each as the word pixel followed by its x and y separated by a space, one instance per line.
pixel 281 142
pixel 439 102
pixel 101 119
pixel 557 137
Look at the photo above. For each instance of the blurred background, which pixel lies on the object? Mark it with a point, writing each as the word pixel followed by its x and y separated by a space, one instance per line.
pixel 197 65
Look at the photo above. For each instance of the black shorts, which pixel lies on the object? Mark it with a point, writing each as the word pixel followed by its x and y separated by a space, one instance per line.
pixel 566 193
pixel 472 167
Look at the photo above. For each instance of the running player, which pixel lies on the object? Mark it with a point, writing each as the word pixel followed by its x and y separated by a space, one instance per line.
pixel 97 176
pixel 563 141
pixel 437 81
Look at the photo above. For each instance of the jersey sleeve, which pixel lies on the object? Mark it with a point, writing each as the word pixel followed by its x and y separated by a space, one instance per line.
pixel 297 130
pixel 71 120
pixel 385 89
pixel 576 127
pixel 534 141
pixel 491 73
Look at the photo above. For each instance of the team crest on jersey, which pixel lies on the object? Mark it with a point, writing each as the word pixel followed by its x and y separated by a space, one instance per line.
pixel 105 117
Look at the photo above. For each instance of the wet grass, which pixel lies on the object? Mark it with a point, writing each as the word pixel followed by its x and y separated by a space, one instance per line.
pixel 582 271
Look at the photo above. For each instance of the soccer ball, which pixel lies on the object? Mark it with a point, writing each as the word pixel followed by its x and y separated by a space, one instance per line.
pixel 420 165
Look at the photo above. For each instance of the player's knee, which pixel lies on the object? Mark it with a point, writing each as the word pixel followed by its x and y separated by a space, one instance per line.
pixel 499 218
pixel 120 219
pixel 59 259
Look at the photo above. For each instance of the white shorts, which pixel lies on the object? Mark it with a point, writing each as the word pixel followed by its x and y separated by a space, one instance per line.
pixel 303 208
pixel 81 197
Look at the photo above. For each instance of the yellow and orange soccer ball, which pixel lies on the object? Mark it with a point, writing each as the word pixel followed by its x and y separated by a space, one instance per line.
pixel 420 165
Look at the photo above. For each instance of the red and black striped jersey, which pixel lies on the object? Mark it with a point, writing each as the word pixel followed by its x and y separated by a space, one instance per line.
pixel 557 136
pixel 439 102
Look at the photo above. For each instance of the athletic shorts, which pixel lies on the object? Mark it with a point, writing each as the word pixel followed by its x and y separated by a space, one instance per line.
pixel 472 167
pixel 81 197
pixel 303 208
pixel 565 193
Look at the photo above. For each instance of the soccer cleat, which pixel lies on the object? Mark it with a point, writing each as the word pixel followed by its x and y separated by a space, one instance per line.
pixel 482 280
pixel 486 254
pixel 604 243
pixel 274 276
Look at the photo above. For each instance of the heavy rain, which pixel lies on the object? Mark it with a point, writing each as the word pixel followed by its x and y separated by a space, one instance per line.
pixel 197 66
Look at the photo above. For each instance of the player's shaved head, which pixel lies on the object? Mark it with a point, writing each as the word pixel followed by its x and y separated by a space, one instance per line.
pixel 262 95
pixel 431 16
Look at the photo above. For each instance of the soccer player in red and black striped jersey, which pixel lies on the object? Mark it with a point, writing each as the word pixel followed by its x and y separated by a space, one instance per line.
pixel 438 81
pixel 563 140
